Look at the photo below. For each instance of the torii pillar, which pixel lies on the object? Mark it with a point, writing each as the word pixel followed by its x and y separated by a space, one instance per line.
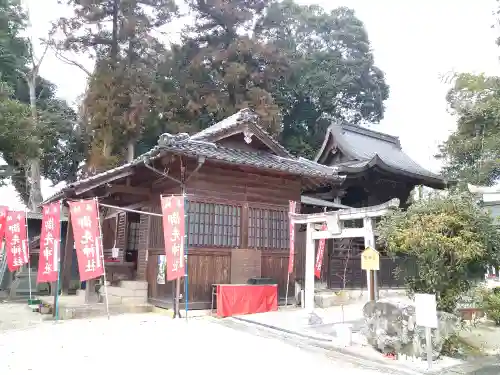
pixel 335 229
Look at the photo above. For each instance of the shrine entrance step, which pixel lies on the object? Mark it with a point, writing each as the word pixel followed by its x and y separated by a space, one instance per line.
pixel 74 307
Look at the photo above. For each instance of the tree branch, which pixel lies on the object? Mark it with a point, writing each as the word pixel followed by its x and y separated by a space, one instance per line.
pixel 69 61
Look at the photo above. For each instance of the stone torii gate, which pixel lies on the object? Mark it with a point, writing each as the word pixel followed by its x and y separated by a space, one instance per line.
pixel 335 229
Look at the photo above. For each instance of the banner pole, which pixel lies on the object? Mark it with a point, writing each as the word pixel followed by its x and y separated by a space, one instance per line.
pixel 291 254
pixel 28 253
pixel 56 295
pixel 102 257
pixel 287 286
pixel 186 245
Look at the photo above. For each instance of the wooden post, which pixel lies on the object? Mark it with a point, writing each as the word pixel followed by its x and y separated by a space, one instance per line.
pixel 370 242
pixel 67 258
pixel 371 290
pixel 309 273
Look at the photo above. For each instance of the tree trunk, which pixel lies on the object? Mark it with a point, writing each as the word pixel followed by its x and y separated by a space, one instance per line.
pixel 34 183
pixel 114 33
pixel 130 150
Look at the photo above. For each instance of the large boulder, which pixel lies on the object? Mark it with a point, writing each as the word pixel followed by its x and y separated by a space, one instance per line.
pixel 390 328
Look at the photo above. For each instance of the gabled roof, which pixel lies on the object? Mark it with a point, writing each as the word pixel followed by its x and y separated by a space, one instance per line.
pixel 194 146
pixel 365 148
pixel 185 145
pixel 244 121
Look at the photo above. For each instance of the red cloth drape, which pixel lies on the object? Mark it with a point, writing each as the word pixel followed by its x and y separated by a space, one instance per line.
pixel 246 299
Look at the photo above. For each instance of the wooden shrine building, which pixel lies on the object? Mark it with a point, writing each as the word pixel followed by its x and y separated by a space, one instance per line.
pixel 239 181
pixel 376 170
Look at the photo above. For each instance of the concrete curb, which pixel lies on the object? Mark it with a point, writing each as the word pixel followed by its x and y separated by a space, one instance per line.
pixel 480 366
pixel 488 365
pixel 327 347
pixel 310 337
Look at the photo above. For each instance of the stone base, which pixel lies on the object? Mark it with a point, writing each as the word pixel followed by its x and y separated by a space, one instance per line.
pixel 327 297
pixel 128 293
pixel 74 307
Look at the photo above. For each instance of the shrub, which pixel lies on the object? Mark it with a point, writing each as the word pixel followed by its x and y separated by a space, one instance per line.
pixel 452 241
pixel 491 305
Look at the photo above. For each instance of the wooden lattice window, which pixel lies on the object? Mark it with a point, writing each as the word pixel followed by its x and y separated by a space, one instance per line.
pixel 214 224
pixel 133 236
pixel 267 228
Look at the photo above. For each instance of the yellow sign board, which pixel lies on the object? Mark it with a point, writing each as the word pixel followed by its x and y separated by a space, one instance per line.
pixel 370 259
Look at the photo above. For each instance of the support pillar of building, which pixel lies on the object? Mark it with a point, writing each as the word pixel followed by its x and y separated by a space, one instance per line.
pixel 309 266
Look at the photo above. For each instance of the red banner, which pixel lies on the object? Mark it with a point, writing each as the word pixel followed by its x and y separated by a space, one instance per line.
pixel 88 243
pixel 16 240
pixel 3 218
pixel 174 234
pixel 320 255
pixel 50 239
pixel 291 258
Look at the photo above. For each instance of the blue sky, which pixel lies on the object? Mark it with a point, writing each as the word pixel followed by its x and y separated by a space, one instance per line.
pixel 414 42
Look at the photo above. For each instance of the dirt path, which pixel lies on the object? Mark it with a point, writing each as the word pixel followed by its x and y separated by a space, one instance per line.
pixel 485 336
pixel 15 316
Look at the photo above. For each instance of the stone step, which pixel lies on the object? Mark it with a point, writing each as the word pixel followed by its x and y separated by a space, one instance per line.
pixel 119 291
pixel 134 284
pixel 100 310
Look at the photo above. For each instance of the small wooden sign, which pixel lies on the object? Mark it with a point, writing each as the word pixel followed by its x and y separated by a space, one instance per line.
pixel 370 259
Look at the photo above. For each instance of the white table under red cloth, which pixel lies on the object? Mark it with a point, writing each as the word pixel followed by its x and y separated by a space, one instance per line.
pixel 241 299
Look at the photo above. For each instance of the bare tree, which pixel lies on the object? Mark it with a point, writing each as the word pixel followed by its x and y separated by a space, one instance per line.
pixel 345 247
pixel 31 75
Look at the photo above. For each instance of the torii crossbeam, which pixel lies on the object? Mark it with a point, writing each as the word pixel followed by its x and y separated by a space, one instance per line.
pixel 334 220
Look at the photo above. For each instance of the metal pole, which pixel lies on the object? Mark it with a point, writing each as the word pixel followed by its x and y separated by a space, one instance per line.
pixel 186 245
pixel 102 256
pixel 28 252
pixel 428 339
pixel 291 227
pixel 56 295
pixel 287 285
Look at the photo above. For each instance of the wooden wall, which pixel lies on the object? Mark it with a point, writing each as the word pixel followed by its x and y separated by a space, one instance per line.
pixel 341 267
pixel 212 265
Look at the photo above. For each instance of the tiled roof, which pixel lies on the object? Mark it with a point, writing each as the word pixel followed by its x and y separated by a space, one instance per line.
pixel 226 124
pixel 368 147
pixel 244 116
pixel 182 144
pixel 109 173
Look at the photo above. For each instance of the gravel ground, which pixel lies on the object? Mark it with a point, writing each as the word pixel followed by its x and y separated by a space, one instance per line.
pixel 149 342
pixel 15 316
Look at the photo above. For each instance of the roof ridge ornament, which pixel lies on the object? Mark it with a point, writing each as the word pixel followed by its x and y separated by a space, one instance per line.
pixel 247 134
pixel 167 139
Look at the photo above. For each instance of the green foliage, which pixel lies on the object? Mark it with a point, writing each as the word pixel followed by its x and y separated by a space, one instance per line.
pixel 451 239
pixel 58 144
pixel 491 304
pixel 15 134
pixel 292 64
pixel 332 72
pixel 222 66
pixel 472 153
pixel 123 95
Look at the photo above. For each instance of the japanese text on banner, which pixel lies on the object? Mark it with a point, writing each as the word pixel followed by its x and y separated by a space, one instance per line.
pixel 174 234
pixel 16 239
pixel 50 238
pixel 320 255
pixel 3 218
pixel 291 259
pixel 88 243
